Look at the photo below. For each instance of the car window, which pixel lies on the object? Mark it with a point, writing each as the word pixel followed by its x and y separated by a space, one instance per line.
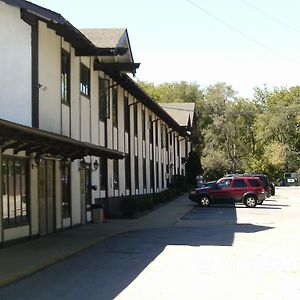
pixel 225 183
pixel 254 183
pixel 238 183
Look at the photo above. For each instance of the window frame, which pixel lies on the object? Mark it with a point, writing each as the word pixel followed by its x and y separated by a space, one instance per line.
pixel 65 77
pixel 85 81
pixel 126 114
pixel 103 99
pixel 115 107
pixel 22 219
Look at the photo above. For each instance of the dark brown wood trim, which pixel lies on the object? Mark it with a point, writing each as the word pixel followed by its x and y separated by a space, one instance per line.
pixel 35 73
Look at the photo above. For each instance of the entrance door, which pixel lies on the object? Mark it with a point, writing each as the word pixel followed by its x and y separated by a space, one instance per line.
pixel 46 191
pixel 86 194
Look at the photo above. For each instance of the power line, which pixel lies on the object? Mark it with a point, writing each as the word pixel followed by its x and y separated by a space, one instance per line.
pixel 270 16
pixel 243 34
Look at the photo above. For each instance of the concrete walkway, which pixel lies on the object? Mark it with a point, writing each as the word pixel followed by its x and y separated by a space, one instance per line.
pixel 22 259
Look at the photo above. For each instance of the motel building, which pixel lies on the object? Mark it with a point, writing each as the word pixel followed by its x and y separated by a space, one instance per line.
pixel 75 128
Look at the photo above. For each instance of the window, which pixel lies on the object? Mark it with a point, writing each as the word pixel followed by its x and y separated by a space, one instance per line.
pixel 150 131
pixel 166 139
pixel 126 115
pixel 163 136
pixel 66 189
pixel 65 77
pixel 224 183
pixel 85 83
pixel 15 205
pixel 254 183
pixel 115 107
pixel 135 116
pixel 116 173
pixel 104 99
pixel 238 183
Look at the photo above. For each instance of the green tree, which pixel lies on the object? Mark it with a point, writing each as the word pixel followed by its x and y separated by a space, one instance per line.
pixel 279 124
pixel 228 130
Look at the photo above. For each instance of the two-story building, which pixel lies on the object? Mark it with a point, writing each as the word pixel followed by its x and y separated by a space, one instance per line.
pixel 74 127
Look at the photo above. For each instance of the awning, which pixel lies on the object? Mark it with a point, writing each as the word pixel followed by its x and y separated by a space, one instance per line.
pixel 32 140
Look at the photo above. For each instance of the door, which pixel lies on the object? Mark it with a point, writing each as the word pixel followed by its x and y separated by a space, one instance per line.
pixel 46 192
pixel 86 194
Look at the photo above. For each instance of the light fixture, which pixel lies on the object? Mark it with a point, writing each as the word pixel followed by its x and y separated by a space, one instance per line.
pixel 36 161
pixel 96 165
pixel 82 164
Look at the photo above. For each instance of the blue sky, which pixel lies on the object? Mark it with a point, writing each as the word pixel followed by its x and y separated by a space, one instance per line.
pixel 206 41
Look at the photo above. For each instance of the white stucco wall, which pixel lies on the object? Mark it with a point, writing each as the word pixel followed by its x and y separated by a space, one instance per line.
pixel 15 66
pixel 49 78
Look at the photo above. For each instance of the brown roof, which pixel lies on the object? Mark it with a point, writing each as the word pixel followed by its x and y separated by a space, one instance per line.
pixel 180 112
pixel 104 37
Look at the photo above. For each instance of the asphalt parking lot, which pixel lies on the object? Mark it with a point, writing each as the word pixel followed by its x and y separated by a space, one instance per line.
pixel 219 252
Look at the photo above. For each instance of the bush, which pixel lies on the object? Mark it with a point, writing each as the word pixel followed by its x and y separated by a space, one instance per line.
pixel 130 205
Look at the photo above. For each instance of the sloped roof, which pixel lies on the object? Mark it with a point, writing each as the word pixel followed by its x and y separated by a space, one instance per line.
pixel 182 113
pixel 104 37
pixel 110 38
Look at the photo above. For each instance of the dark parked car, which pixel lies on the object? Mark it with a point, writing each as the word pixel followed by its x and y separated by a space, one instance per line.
pixel 269 186
pixel 248 190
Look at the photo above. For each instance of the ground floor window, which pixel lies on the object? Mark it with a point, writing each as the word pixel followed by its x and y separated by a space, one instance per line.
pixel 66 189
pixel 15 206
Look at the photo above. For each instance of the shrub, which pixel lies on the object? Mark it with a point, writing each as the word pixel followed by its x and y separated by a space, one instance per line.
pixel 130 205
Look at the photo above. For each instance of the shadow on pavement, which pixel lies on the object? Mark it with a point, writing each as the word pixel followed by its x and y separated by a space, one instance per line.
pixel 106 269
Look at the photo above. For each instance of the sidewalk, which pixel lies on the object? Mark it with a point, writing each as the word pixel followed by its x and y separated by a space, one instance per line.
pixel 21 260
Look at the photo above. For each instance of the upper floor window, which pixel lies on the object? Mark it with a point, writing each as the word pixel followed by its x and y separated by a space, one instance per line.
pixel 126 115
pixel 104 99
pixel 150 131
pixel 115 107
pixel 85 81
pixel 65 77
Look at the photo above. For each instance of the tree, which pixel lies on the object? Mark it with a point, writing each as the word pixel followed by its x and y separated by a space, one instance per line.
pixel 279 124
pixel 172 92
pixel 193 168
pixel 228 130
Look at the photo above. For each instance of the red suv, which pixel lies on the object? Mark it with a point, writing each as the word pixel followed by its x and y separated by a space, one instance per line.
pixel 248 190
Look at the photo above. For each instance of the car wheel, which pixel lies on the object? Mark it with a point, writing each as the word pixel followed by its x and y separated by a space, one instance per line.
pixel 204 201
pixel 259 202
pixel 250 201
